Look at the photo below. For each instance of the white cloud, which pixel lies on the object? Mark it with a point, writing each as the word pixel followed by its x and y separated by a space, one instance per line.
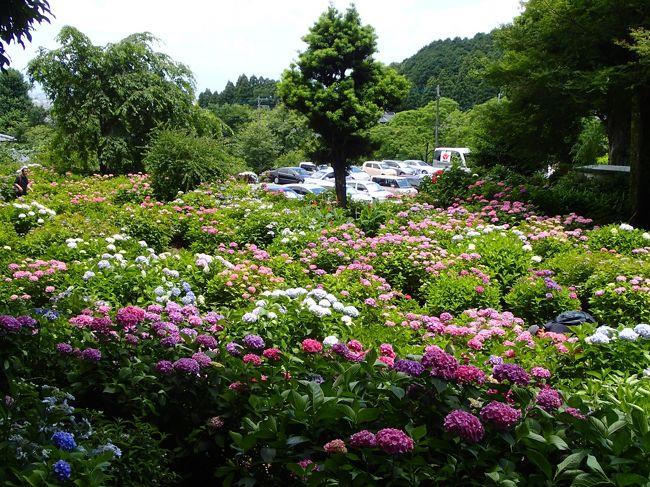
pixel 221 40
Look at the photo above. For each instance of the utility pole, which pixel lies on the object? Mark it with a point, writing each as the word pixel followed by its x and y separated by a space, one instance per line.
pixel 437 111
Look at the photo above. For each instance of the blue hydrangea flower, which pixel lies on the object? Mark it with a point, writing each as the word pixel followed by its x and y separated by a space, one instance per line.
pixel 175 291
pixel 62 470
pixel 64 440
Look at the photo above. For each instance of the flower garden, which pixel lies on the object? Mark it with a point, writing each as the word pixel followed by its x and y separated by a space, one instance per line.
pixel 233 337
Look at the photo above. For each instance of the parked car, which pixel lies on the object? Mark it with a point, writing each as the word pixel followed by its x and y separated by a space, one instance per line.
pixel 394 184
pixel 286 175
pixel 355 172
pixel 303 189
pixel 308 166
pixel 417 179
pixel 420 167
pixel 401 167
pixel 323 177
pixel 376 168
pixel 276 188
pixel 370 188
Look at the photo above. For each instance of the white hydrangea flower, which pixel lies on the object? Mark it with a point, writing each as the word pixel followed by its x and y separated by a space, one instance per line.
pixel 626 227
pixel 628 334
pixel 643 330
pixel 608 331
pixel 597 339
pixel 351 311
pixel 324 303
pixel 536 258
pixel 338 306
pixel 318 293
pixel 330 340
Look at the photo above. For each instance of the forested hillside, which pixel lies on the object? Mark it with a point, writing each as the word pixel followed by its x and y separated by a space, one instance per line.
pixel 453 64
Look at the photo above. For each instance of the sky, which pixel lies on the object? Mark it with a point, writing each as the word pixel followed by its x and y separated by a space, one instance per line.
pixel 221 40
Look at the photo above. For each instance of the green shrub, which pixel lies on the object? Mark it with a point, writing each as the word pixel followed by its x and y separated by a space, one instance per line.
pixel 539 298
pixel 179 161
pixel 454 292
pixel 622 238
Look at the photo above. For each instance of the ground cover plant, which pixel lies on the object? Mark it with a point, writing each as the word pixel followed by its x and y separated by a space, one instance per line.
pixel 234 336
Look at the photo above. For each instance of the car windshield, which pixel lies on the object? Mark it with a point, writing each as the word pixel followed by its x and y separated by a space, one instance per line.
pixel 302 172
pixel 355 169
pixel 403 183
pixel 373 187
pixel 418 163
pixel 389 164
pixel 385 165
pixel 322 174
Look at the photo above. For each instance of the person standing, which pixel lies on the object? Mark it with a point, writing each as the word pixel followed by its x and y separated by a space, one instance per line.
pixel 21 184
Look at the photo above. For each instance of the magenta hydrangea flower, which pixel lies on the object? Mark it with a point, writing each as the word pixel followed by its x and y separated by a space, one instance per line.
pixel 394 441
pixel 442 364
pixel 206 341
pixel 468 374
pixel 335 446
pixel 499 413
pixel 363 439
pixel 10 323
pixel 465 425
pixel 513 373
pixel 549 399
pixel 251 358
pixel 540 373
pixel 272 354
pixel 130 316
pixel 310 345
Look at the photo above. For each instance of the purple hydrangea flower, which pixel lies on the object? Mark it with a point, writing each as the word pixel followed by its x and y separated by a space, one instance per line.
pixel 394 441
pixel 234 349
pixel 549 399
pixel 27 321
pixel 64 348
pixel 165 367
pixel 64 440
pixel 442 364
pixel 410 367
pixel 465 425
pixel 91 354
pixel 202 359
pixel 10 323
pixel 187 365
pixel 254 342
pixel 513 373
pixel 207 341
pixel 499 413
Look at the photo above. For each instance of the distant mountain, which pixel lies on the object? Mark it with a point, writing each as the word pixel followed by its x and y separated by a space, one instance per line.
pixel 453 64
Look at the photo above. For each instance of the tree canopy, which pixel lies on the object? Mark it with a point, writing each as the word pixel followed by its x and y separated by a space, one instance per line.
pixel 107 100
pixel 341 89
pixel 564 60
pixel 17 19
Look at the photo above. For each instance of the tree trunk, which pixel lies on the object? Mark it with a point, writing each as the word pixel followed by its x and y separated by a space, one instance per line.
pixel 618 130
pixel 640 159
pixel 339 183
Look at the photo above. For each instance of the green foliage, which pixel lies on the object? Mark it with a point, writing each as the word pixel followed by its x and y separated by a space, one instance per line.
pixel 591 144
pixel 106 101
pixel 445 188
pixel 622 238
pixel 258 146
pixel 539 298
pixel 180 161
pixel 453 292
pixel 17 111
pixel 605 200
pixel 18 20
pixel 408 135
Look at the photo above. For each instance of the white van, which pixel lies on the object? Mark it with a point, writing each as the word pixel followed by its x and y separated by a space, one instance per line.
pixel 452 156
